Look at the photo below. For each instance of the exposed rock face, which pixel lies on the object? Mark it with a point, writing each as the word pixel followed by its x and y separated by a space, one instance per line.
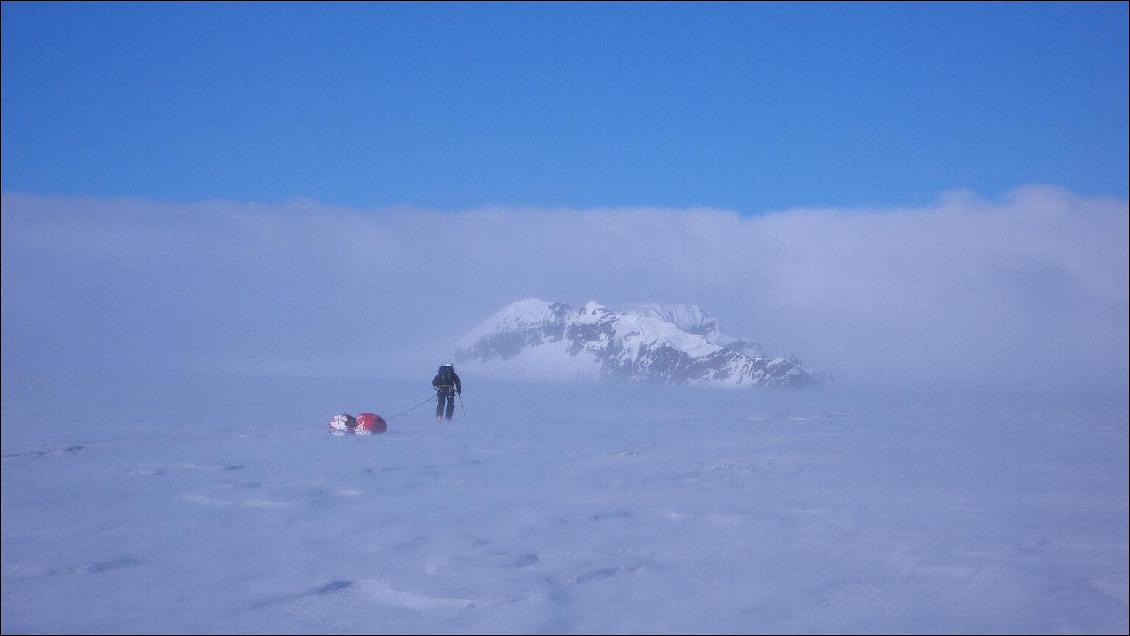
pixel 665 344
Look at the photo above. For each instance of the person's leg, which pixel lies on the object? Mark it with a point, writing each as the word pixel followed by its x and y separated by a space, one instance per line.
pixel 450 405
pixel 439 406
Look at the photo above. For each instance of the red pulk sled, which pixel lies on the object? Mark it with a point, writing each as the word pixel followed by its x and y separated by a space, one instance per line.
pixel 363 424
pixel 369 423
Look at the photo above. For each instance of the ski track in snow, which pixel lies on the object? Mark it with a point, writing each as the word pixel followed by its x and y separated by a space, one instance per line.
pixel 691 512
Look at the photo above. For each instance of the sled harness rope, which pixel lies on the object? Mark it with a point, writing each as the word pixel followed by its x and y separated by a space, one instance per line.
pixel 430 398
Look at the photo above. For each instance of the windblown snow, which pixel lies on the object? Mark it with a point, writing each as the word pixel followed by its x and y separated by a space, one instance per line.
pixel 572 508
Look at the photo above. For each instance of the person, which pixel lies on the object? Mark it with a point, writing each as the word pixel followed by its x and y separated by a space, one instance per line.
pixel 447 386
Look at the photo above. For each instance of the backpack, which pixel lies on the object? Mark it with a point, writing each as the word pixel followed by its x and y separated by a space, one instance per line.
pixel 447 375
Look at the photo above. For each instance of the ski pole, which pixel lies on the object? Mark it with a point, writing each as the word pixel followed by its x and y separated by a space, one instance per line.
pixel 464 409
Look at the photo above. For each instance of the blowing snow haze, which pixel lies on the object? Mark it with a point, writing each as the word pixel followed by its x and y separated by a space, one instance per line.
pixel 1026 292
pixel 227 227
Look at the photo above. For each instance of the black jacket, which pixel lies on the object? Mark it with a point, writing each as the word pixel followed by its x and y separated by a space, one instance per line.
pixel 445 382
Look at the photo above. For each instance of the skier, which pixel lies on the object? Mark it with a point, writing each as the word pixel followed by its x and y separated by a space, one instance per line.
pixel 447 386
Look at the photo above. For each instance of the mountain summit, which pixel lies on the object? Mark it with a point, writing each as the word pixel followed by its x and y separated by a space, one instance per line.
pixel 654 343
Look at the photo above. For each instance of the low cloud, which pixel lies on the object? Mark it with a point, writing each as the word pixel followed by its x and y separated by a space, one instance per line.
pixel 1029 290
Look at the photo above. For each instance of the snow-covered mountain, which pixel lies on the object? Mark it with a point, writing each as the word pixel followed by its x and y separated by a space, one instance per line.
pixel 654 343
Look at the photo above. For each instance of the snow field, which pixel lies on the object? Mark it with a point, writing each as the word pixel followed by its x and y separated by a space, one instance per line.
pixel 574 509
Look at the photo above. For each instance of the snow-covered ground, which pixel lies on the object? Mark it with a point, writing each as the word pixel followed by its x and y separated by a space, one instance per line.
pixel 223 505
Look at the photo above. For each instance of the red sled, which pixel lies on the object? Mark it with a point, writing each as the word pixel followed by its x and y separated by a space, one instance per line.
pixel 369 423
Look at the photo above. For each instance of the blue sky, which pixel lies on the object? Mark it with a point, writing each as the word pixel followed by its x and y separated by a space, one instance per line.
pixel 745 107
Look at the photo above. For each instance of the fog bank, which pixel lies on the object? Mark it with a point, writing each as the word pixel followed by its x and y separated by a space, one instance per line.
pixel 1026 292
